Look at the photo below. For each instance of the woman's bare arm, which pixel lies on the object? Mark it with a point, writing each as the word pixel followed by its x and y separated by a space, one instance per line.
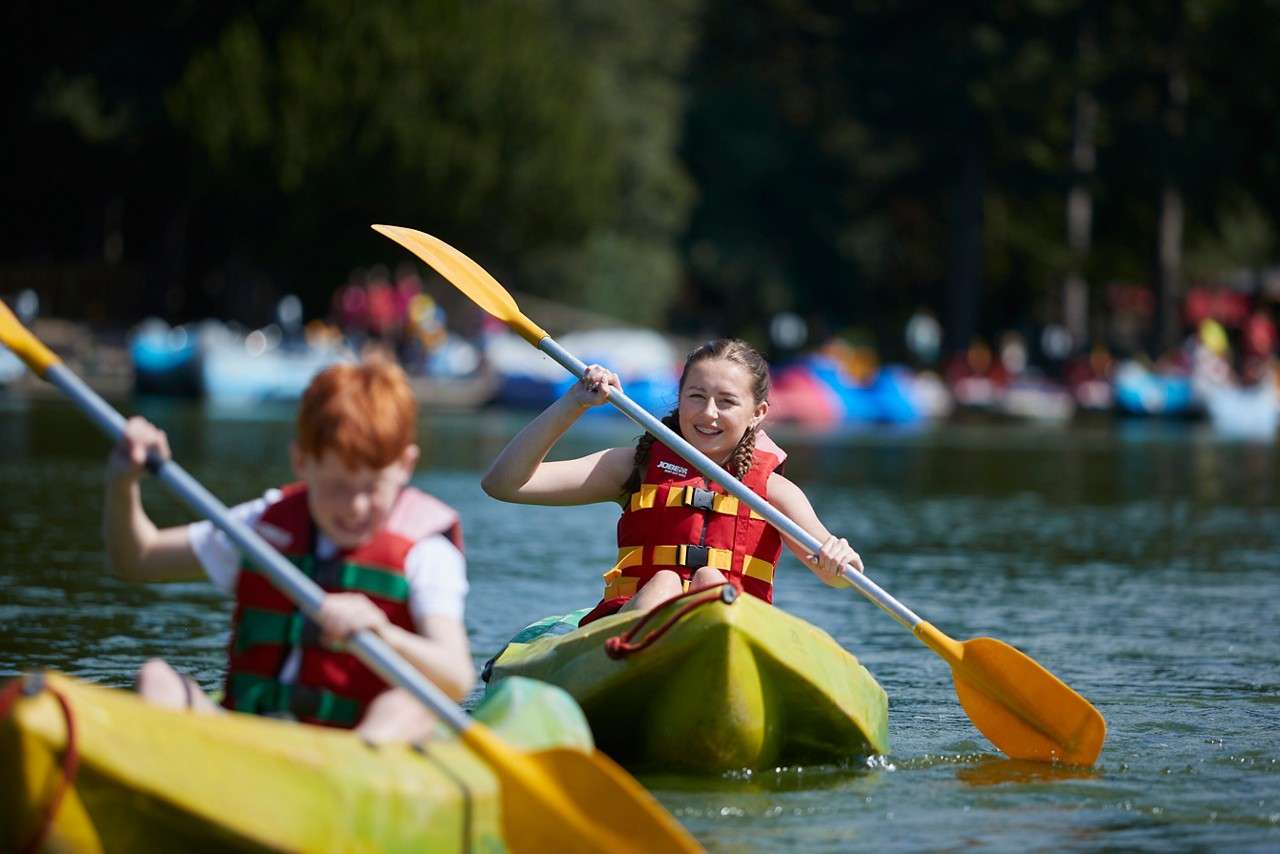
pixel 835 551
pixel 521 473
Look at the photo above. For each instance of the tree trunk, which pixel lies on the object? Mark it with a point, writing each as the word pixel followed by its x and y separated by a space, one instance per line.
pixel 964 281
pixel 1170 226
pixel 1075 297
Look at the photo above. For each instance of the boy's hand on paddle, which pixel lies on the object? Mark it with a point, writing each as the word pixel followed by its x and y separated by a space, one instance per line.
pixel 593 388
pixel 344 614
pixel 831 558
pixel 128 458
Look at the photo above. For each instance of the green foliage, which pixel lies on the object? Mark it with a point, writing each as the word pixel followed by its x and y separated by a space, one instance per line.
pixel 80 102
pixel 628 264
pixel 1244 237
pixel 700 163
pixel 520 131
pixel 828 142
pixel 472 111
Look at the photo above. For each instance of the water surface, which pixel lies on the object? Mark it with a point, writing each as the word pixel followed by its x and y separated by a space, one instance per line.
pixel 1140 562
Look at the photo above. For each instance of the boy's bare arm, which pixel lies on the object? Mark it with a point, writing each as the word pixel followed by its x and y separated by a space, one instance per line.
pixel 136 549
pixel 835 551
pixel 443 655
pixel 139 551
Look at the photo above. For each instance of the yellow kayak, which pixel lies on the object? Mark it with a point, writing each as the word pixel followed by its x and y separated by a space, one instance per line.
pixel 727 685
pixel 144 778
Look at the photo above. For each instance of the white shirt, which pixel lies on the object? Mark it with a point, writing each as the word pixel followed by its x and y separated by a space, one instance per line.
pixel 434 568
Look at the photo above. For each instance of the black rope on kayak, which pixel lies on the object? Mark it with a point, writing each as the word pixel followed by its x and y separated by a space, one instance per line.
pixel 622 646
pixel 30 686
pixel 420 748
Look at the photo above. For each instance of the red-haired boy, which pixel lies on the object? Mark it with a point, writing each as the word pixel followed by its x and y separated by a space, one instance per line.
pixel 388 555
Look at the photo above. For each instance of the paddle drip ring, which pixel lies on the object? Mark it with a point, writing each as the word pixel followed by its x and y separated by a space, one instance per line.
pixel 30 686
pixel 622 646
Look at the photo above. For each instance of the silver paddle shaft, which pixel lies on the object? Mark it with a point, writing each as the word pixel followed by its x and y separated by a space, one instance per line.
pixel 287 578
pixel 732 485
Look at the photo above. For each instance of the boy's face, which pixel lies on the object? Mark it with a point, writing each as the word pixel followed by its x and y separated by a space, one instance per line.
pixel 351 505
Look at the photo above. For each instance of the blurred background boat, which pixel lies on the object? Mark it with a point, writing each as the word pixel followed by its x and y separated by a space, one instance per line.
pixel 261 367
pixel 1246 412
pixel 1036 399
pixel 167 359
pixel 11 367
pixel 646 362
pixel 1138 390
pixel 819 389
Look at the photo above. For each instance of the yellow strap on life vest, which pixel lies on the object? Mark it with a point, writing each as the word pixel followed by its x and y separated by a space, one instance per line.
pixel 644 497
pixel 617 584
pixel 627 557
pixel 725 504
pixel 626 586
pixel 670 556
pixel 754 567
pixel 679 496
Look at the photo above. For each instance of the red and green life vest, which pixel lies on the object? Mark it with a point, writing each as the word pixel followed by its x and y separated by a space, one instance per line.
pixel 332 688
pixel 681 521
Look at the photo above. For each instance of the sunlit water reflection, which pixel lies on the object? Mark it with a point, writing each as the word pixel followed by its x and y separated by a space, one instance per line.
pixel 1139 562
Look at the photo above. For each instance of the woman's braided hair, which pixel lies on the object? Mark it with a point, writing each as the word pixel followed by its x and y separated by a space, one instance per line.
pixel 730 349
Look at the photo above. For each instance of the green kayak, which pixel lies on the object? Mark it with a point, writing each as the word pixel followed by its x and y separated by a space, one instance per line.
pixel 88 768
pixel 731 683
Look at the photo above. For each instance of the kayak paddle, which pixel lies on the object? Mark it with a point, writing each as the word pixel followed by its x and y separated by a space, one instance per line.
pixel 1024 710
pixel 552 799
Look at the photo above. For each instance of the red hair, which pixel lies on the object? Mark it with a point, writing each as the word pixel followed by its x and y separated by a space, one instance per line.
pixel 365 413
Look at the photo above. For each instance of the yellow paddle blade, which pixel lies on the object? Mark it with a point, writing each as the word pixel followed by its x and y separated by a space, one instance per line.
pixel 25 346
pixel 467 276
pixel 566 800
pixel 1020 706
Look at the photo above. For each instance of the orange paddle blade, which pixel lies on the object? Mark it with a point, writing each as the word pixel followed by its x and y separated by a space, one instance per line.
pixel 562 799
pixel 467 276
pixel 1020 706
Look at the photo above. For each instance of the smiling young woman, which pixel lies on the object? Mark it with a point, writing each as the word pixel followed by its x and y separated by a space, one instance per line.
pixel 678 530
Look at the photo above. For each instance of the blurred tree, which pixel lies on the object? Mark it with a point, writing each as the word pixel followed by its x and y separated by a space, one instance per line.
pixel 504 127
pixel 237 150
pixel 96 175
pixel 1084 158
pixel 856 160
pixel 704 162
pixel 874 164
pixel 629 263
pixel 471 120
pixel 1162 161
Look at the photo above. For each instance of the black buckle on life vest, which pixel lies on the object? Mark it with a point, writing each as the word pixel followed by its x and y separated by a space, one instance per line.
pixel 694 557
pixel 304 701
pixel 310 635
pixel 327 573
pixel 697 497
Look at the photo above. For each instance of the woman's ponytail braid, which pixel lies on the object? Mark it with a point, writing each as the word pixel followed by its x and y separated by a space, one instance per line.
pixel 743 454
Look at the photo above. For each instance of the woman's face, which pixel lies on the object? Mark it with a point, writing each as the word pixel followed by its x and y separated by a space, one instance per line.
pixel 717 406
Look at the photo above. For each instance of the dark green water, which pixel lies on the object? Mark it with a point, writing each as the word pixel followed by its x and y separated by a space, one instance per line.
pixel 1139 562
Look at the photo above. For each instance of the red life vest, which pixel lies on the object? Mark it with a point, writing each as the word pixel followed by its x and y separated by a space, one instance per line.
pixel 681 521
pixel 332 688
